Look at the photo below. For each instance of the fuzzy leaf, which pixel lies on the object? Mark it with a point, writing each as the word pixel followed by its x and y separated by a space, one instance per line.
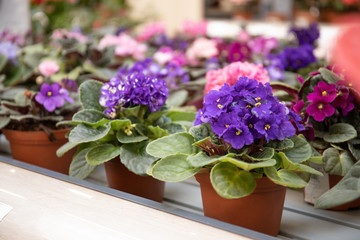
pixel 230 182
pixel 90 92
pixel 200 132
pixel 266 154
pixel 79 168
pixel 102 153
pixel 249 166
pixel 340 132
pixel 124 138
pixel 83 133
pixel 157 132
pixel 284 177
pixel 4 120
pixel 135 158
pixel 328 75
pixel 181 116
pixel 170 145
pixel 337 163
pixel 354 148
pixel 280 145
pixel 65 148
pixel 174 168
pixel 300 152
pixel 177 98
pixel 202 159
pixel 347 190
pixel 90 116
pixel 296 167
pixel 174 128
pixel 118 124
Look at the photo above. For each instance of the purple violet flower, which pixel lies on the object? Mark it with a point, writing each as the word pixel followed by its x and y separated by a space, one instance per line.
pixel 238 136
pixel 52 96
pixel 306 35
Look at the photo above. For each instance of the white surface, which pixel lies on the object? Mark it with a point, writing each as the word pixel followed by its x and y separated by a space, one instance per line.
pixel 4 209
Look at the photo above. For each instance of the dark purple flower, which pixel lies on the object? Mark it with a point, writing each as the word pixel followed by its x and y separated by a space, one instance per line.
pixel 323 92
pixel 238 136
pixel 217 102
pixel 306 35
pixel 69 84
pixel 52 96
pixel 269 128
pixel 320 110
pixel 223 122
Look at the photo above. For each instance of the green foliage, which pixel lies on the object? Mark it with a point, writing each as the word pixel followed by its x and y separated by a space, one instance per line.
pixel 340 132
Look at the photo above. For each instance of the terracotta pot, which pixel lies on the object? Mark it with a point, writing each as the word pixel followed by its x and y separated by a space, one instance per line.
pixel 120 178
pixel 333 180
pixel 34 147
pixel 261 211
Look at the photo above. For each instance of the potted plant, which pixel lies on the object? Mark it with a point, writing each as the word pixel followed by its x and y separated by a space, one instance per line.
pixel 117 121
pixel 243 151
pixel 330 106
pixel 28 120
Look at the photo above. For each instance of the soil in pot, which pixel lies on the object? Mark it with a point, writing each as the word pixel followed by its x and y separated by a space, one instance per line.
pixel 34 147
pixel 261 211
pixel 120 178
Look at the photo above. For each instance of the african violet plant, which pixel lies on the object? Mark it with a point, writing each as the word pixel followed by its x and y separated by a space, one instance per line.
pixel 242 133
pixel 28 110
pixel 330 106
pixel 120 118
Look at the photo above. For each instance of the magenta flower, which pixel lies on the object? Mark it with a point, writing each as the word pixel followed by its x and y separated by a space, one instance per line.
pixel 320 110
pixel 323 92
pixel 52 96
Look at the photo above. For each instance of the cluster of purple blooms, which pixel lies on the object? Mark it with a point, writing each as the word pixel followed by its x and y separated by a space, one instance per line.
pixel 129 90
pixel 247 111
pixel 171 73
pixel 52 96
pixel 291 58
pixel 306 35
pixel 175 43
pixel 326 98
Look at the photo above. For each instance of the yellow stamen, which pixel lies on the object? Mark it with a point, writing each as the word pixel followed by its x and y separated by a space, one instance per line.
pixel 248 106
pixel 251 126
pixel 324 93
pixel 320 106
pixel 49 94
pixel 257 104
pixel 238 132
pixel 350 84
pixel 267 127
pixel 339 93
pixel 220 106
pixel 226 126
pixel 258 98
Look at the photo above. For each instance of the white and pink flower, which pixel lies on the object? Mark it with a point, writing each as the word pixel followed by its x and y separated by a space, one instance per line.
pixel 48 68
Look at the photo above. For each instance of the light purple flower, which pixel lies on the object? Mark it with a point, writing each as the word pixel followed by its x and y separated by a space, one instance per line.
pixel 52 96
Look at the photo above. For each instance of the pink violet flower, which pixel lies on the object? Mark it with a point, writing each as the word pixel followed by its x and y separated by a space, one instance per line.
pixel 202 48
pixel 323 92
pixel 243 36
pixel 164 55
pixel 48 68
pixel 150 30
pixel 63 33
pixel 320 110
pixel 231 73
pixel 194 29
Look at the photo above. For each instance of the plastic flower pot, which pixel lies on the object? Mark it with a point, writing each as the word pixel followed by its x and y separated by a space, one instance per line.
pixel 34 147
pixel 261 211
pixel 120 178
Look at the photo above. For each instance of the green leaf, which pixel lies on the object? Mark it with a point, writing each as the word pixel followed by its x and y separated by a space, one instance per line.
pixel 202 159
pixel 340 132
pixel 249 166
pixel 4 121
pixel 174 168
pixel 181 116
pixel 90 92
pixel 300 152
pixel 124 138
pixel 154 116
pixel 118 124
pixel 297 167
pixel 174 128
pixel 284 177
pixel 102 153
pixel 83 133
pixel 3 61
pixel 316 159
pixel 337 163
pixel 319 144
pixel 354 148
pixel 328 75
pixel 91 117
pixel 170 145
pixel 177 98
pixel 347 190
pixel 280 145
pixel 64 148
pixel 266 154
pixel 201 131
pixel 157 132
pixel 79 168
pixel 135 158
pixel 230 182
